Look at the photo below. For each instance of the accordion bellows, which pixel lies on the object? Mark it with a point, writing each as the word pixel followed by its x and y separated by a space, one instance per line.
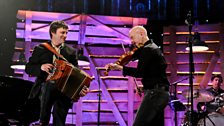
pixel 69 79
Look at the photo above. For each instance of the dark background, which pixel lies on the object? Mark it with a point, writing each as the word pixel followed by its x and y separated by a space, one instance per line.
pixel 158 12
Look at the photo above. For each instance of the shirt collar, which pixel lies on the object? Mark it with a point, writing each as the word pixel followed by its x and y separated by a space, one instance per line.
pixel 60 47
pixel 148 42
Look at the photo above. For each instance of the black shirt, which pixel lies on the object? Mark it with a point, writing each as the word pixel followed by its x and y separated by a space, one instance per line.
pixel 151 66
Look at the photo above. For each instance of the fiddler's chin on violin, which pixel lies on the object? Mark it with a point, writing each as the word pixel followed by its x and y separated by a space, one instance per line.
pixel 123 60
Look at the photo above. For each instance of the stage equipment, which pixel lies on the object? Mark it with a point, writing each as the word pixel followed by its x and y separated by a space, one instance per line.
pixel 175 104
pixel 199 95
pixel 197 44
pixel 15 108
pixel 192 42
pixel 188 21
pixel 213 119
pixel 82 60
pixel 20 63
pixel 187 118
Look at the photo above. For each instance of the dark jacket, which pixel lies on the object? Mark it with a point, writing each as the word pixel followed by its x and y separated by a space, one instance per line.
pixel 40 56
pixel 151 66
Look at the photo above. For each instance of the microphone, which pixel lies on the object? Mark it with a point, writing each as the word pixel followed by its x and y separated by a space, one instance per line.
pixel 188 21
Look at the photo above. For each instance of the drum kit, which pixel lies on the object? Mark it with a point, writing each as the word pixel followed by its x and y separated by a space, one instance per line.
pixel 205 118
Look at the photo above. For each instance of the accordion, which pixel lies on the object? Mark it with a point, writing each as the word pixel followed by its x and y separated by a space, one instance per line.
pixel 68 79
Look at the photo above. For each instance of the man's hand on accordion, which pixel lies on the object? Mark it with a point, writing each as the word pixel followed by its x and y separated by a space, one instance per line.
pixel 84 91
pixel 47 67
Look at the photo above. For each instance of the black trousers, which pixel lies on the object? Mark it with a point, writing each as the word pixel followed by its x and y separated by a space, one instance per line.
pixel 52 97
pixel 151 109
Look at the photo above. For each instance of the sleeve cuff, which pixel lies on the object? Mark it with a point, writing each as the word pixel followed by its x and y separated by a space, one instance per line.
pixel 124 71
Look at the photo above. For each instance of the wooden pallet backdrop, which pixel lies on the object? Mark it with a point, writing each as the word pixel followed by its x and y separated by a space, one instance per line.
pixel 101 37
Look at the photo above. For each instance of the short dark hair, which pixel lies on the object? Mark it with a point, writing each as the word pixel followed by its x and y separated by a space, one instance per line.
pixel 218 76
pixel 56 25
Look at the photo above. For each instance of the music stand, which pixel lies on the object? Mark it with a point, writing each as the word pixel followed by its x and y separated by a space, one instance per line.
pixel 175 104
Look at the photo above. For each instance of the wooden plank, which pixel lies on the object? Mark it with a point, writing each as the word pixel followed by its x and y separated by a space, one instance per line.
pixel 44 35
pixel 201 27
pixel 173 55
pixel 27 37
pixel 198 67
pixel 93 106
pixel 118 34
pixel 197 57
pixel 113 41
pixel 130 101
pixel 79 116
pixel 114 20
pixel 98 31
pixel 46 16
pixel 105 117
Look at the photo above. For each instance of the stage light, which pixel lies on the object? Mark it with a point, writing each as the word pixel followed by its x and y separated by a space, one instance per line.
pixel 197 44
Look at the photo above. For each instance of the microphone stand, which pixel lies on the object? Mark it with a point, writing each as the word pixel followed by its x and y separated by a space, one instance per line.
pixel 175 97
pixel 188 21
pixel 99 98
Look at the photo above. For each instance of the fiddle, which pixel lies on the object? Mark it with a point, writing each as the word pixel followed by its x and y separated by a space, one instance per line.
pixel 123 59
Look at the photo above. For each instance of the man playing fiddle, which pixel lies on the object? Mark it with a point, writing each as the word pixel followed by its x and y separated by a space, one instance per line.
pixel 152 69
